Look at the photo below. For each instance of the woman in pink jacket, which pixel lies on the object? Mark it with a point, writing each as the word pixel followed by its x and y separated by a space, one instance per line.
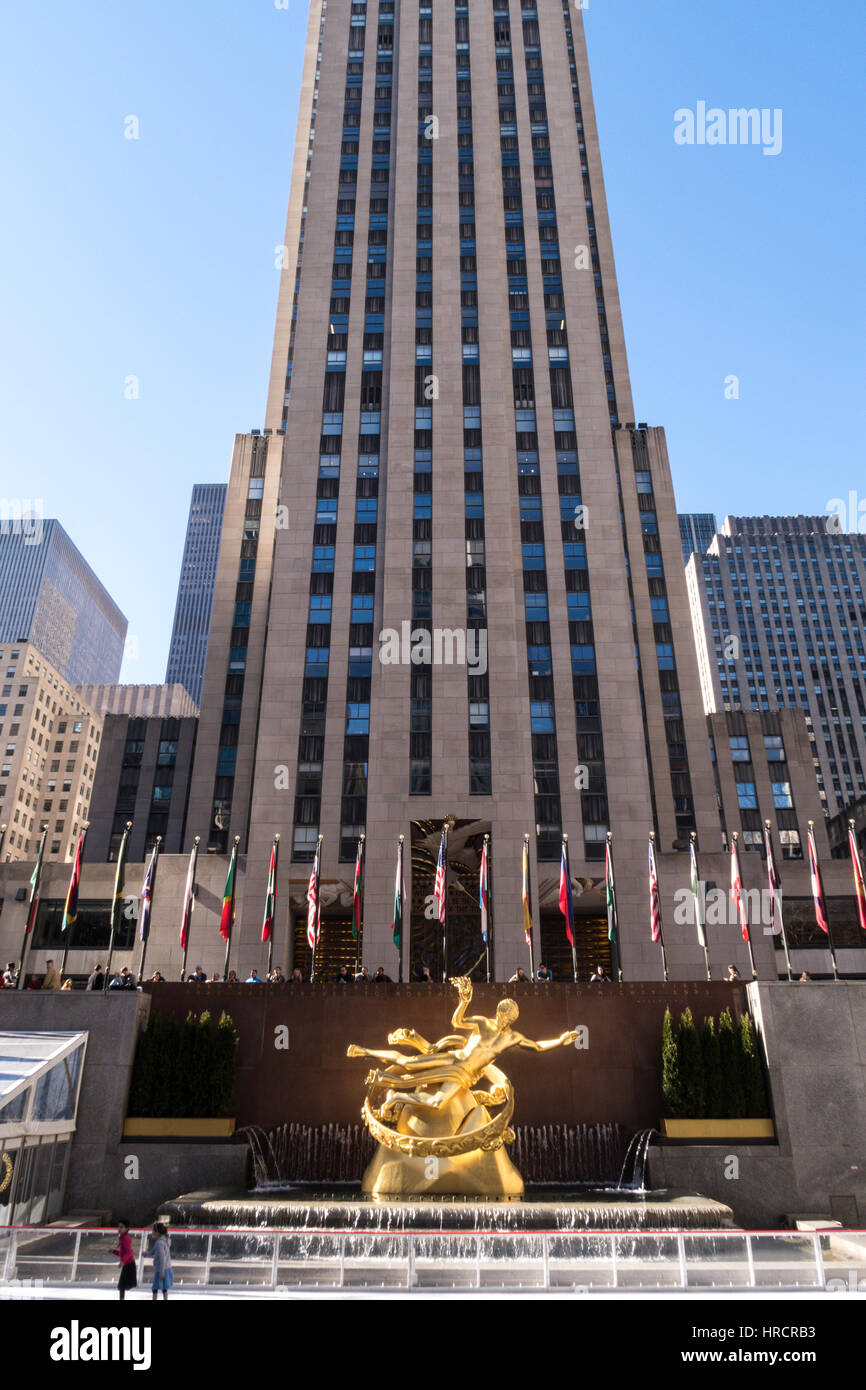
pixel 128 1279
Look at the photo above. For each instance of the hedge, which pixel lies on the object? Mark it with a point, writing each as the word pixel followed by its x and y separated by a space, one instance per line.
pixel 187 1072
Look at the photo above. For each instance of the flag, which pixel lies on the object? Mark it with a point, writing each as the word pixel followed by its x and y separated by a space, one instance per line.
pixel 655 904
pixel 566 902
pixel 188 899
pixel 859 883
pixel 119 880
pixel 817 884
pixel 696 894
pixel 610 895
pixel 358 892
pixel 227 916
pixel 35 880
pixel 70 907
pixel 482 892
pixel 147 897
pixel 314 907
pixel 527 896
pixel 775 884
pixel 397 916
pixel 270 896
pixel 737 891
pixel 440 887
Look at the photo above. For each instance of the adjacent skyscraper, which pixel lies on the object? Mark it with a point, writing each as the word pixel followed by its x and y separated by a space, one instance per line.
pixel 50 596
pixel 186 656
pixel 696 531
pixel 451 580
pixel 779 613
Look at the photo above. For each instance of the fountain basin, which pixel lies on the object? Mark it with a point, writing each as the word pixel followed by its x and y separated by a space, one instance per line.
pixel 343 1207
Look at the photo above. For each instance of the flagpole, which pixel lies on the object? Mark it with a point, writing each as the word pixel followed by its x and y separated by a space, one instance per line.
pixel 820 883
pixel 857 870
pixel 32 906
pixel 742 913
pixel 362 854
pixel 231 920
pixel 276 850
pixel 659 901
pixel 191 872
pixel 400 891
pixel 616 958
pixel 776 884
pixel 3 829
pixel 317 869
pixel 489 904
pixel 701 926
pixel 150 908
pixel 80 861
pixel 445 901
pixel 119 882
pixel 570 899
pixel 529 924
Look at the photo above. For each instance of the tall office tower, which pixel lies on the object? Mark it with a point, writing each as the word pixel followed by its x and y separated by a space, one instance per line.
pixel 186 655
pixel 778 613
pixel 696 531
pixel 50 596
pixel 433 589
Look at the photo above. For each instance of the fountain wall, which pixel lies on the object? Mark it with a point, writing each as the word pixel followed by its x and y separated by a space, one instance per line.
pixel 292 1064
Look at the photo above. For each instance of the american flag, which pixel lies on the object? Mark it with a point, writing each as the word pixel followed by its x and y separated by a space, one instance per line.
pixel 314 907
pixel 737 891
pixel 775 883
pixel 482 892
pixel 655 905
pixel 440 888
pixel 817 885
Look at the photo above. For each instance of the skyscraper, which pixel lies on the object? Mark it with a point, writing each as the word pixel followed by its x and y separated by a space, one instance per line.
pixel 451 582
pixel 778 611
pixel 51 597
pixel 186 656
pixel 696 531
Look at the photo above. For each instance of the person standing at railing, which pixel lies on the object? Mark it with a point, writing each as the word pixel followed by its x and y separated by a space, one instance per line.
pixel 163 1278
pixel 124 1253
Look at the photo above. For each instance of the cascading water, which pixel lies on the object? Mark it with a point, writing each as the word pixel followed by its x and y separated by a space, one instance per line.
pixel 339 1153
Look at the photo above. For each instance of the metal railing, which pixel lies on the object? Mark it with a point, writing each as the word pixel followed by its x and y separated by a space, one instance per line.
pixel 578 1261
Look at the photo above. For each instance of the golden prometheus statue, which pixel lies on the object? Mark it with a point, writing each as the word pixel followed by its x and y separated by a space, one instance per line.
pixel 429 1115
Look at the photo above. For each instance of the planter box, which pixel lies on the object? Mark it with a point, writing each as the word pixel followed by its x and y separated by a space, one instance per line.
pixel 177 1129
pixel 741 1130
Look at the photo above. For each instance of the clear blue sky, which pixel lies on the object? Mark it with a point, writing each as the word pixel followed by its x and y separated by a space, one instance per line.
pixel 155 257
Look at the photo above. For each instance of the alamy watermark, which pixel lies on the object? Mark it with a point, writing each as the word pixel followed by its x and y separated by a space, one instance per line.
pixel 443 646
pixel 712 125
pixel 718 908
pixel 22 516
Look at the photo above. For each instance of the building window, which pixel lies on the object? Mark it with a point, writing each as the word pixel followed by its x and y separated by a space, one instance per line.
pixel 782 794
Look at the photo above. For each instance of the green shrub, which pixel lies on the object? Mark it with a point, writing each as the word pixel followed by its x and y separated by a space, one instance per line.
pixel 201 1098
pixel 224 1068
pixel 713 1086
pixel 186 1072
pixel 141 1086
pixel 183 1089
pixel 691 1068
pixel 753 1073
pixel 672 1089
pixel 731 1060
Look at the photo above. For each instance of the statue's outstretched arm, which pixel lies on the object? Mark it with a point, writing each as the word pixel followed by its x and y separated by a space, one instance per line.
pixel 464 986
pixel 561 1041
